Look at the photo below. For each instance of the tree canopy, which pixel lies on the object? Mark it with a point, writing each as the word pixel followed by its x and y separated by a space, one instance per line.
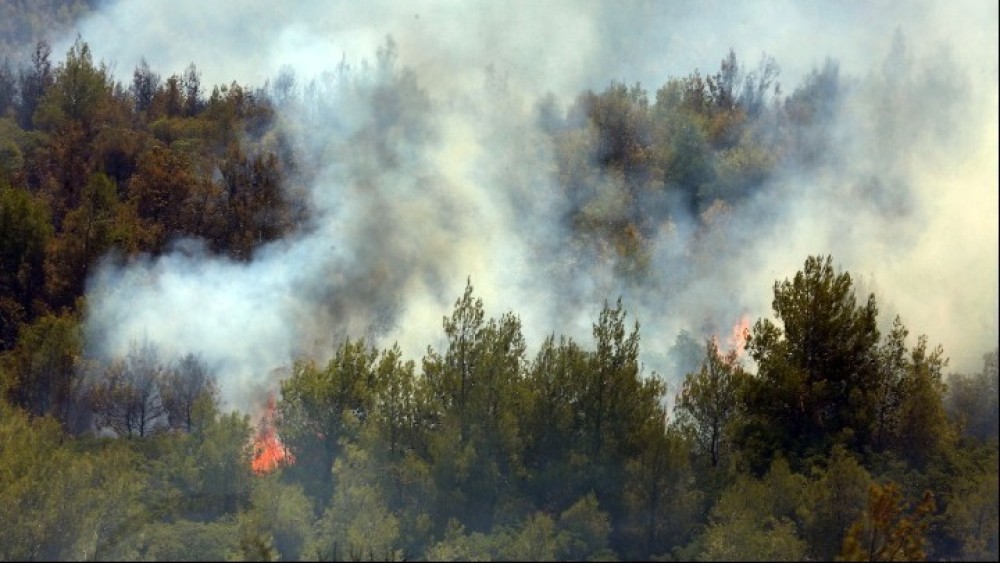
pixel 832 438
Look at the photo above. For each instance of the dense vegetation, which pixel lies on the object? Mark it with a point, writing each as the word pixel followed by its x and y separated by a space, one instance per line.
pixel 829 439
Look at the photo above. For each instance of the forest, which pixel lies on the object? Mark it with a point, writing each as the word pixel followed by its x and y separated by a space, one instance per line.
pixel 824 431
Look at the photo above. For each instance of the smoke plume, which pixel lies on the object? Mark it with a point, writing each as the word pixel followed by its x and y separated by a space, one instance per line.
pixel 426 163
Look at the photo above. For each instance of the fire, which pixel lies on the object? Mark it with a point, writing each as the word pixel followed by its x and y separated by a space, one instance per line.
pixel 268 451
pixel 736 341
pixel 738 336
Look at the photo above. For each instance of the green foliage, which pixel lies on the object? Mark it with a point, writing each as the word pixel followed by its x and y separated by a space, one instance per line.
pixel 477 452
pixel 535 541
pixel 741 539
pixel 972 400
pixel 459 546
pixel 8 89
pixel 173 478
pixel 709 402
pixel 253 206
pixel 59 504
pixel 816 374
pixel 474 392
pixel 78 94
pixel 44 369
pixel 25 230
pixel 755 520
pixel 322 408
pixel 357 524
pixel 555 467
pixel 889 392
pixel 185 540
pixel 484 455
pixel 34 83
pixel 662 498
pixel 396 414
pixel 85 171
pixel 584 530
pixel 924 432
pixel 834 499
pixel 223 454
pixel 254 543
pixel 627 166
pixel 12 145
pixel 97 225
pixel 284 514
pixel 971 517
pixel 884 533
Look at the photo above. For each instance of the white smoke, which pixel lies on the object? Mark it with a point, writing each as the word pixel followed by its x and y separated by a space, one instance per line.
pixel 427 179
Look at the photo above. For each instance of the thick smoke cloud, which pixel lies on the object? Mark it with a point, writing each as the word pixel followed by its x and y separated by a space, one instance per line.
pixel 429 166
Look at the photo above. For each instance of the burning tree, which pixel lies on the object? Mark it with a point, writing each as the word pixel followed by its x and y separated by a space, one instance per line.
pixel 268 451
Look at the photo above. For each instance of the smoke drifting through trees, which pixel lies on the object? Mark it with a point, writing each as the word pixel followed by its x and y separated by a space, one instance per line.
pixel 426 165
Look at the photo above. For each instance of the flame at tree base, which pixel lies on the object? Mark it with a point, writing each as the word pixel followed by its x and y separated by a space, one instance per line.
pixel 268 451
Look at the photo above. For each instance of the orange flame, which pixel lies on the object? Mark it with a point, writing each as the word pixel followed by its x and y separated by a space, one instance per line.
pixel 738 336
pixel 736 341
pixel 268 451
